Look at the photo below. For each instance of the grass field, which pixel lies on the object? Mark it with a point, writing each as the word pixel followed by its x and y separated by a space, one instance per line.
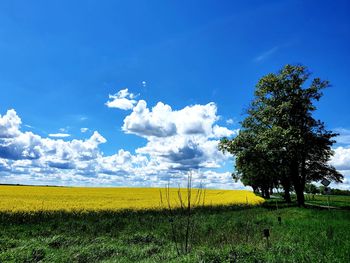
pixel 340 201
pixel 221 235
pixel 229 233
pixel 36 198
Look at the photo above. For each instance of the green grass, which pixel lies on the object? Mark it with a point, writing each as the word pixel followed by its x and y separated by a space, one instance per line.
pixel 337 201
pixel 341 201
pixel 223 234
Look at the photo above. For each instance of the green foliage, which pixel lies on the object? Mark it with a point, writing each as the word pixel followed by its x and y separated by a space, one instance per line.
pixel 312 189
pixel 280 142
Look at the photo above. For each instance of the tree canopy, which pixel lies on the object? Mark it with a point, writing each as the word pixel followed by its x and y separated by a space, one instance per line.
pixel 280 143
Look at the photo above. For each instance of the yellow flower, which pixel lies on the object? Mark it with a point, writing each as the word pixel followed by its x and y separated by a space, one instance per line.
pixel 37 198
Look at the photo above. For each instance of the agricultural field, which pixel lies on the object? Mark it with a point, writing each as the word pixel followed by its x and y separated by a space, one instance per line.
pixel 36 198
pixel 113 232
pixel 340 201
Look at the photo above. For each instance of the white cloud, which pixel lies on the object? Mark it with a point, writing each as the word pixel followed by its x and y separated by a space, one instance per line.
pixel 24 146
pixel 341 161
pixel 341 158
pixel 163 121
pixel 345 185
pixel 122 100
pixel 145 123
pixel 177 141
pixel 59 135
pixel 229 121
pixel 18 146
pixel 196 119
pixel 9 124
pixel 83 130
pixel 220 132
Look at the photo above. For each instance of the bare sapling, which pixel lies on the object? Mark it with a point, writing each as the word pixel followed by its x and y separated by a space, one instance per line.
pixel 179 207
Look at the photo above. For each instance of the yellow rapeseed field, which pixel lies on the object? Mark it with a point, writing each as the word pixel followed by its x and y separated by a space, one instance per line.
pixel 37 198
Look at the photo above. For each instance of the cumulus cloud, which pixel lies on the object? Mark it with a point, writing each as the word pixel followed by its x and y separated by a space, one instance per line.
pixel 163 121
pixel 341 158
pixel 23 146
pixel 9 124
pixel 341 161
pixel 83 130
pixel 177 141
pixel 220 132
pixel 59 135
pixel 17 147
pixel 122 100
pixel 183 153
pixel 145 123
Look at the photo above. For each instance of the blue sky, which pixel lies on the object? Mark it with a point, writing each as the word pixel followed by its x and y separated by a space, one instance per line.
pixel 60 61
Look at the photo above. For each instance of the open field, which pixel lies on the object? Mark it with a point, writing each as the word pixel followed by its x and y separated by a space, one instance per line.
pixel 36 198
pixel 340 201
pixel 222 234
pixel 86 232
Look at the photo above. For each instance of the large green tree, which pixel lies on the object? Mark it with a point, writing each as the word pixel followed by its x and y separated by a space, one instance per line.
pixel 280 142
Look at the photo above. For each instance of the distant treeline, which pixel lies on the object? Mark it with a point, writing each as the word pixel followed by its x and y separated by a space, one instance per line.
pixel 46 185
pixel 313 189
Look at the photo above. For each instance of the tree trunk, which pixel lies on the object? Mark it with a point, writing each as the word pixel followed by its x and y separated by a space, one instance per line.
pixel 287 196
pixel 297 182
pixel 300 195
pixel 299 190
pixel 266 193
pixel 286 189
